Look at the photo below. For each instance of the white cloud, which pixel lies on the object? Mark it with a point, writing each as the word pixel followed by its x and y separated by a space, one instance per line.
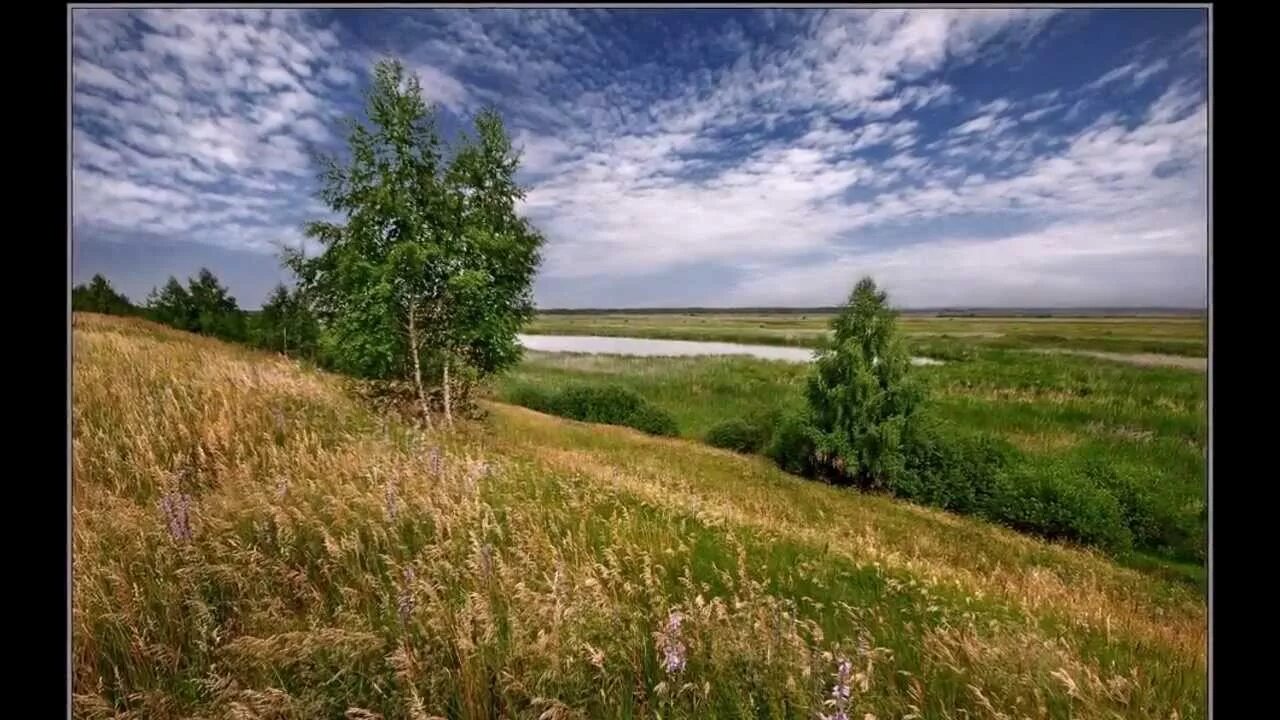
pixel 809 148
pixel 1135 72
pixel 440 87
pixel 201 97
pixel 1156 260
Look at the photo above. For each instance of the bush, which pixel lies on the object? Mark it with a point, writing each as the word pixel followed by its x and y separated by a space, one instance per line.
pixel 532 397
pixel 607 404
pixel 792 447
pixel 1157 521
pixel 953 472
pixel 1059 504
pixel 737 435
pixel 652 420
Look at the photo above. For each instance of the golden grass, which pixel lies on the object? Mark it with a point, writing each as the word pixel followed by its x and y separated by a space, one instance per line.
pixel 342 564
pixel 1078 585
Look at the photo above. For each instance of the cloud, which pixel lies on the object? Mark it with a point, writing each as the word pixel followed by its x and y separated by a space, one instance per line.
pixel 441 87
pixel 816 143
pixel 1158 260
pixel 1136 73
pixel 196 124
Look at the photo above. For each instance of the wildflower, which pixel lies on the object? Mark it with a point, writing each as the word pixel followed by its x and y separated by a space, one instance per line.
pixel 282 487
pixel 405 602
pixel 434 462
pixel 840 692
pixel 176 506
pixel 669 642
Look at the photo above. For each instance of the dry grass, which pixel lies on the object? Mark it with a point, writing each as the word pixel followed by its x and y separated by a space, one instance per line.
pixel 335 563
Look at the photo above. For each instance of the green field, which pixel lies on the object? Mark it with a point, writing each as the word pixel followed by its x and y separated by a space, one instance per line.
pixel 1168 335
pixel 330 561
pixel 1137 431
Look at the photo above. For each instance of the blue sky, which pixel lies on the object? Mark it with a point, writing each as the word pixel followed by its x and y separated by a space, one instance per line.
pixel 712 157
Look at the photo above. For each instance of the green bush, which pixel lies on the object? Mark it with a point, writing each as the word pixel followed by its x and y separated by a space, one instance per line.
pixel 953 472
pixel 1059 504
pixel 532 397
pixel 791 447
pixel 653 420
pixel 737 435
pixel 607 404
pixel 1156 520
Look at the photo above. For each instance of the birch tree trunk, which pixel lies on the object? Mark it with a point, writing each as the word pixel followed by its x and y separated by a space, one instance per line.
pixel 448 407
pixel 417 368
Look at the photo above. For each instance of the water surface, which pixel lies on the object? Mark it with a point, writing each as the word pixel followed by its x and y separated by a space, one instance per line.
pixel 652 347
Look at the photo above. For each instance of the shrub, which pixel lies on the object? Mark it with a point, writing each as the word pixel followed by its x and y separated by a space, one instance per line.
pixel 1157 521
pixel 737 435
pixel 607 404
pixel 953 472
pixel 792 447
pixel 1059 504
pixel 653 420
pixel 532 397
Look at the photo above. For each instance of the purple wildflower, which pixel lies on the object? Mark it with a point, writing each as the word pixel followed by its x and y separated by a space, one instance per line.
pixel 841 691
pixel 176 507
pixel 405 603
pixel 669 642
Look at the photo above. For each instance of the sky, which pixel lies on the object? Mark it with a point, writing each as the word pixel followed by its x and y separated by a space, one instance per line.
pixel 704 157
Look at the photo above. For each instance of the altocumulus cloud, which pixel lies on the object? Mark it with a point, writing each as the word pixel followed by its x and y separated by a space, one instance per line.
pixel 964 157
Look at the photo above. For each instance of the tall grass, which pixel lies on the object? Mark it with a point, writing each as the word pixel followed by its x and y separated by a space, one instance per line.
pixel 250 541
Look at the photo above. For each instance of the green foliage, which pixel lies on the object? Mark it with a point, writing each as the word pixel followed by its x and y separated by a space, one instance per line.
pixel 172 306
pixel 860 393
pixel 606 404
pixel 285 324
pixel 948 470
pixel 1059 504
pixel 792 445
pixel 1158 521
pixel 738 435
pixel 99 297
pixel 204 306
pixel 431 267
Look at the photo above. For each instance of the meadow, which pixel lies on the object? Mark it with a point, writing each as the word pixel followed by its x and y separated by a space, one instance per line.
pixel 251 539
pixel 1136 431
pixel 1171 335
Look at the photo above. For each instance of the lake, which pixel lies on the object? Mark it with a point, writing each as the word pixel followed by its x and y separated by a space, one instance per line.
pixel 650 347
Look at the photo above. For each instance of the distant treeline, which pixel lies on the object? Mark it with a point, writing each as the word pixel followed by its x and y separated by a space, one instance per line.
pixel 284 324
pixel 932 312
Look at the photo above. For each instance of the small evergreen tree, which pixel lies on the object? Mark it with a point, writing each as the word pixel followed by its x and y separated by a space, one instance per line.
pixel 860 391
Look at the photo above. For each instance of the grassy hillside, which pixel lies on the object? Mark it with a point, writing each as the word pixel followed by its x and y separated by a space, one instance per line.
pixel 250 541
pixel 1139 433
pixel 1169 335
